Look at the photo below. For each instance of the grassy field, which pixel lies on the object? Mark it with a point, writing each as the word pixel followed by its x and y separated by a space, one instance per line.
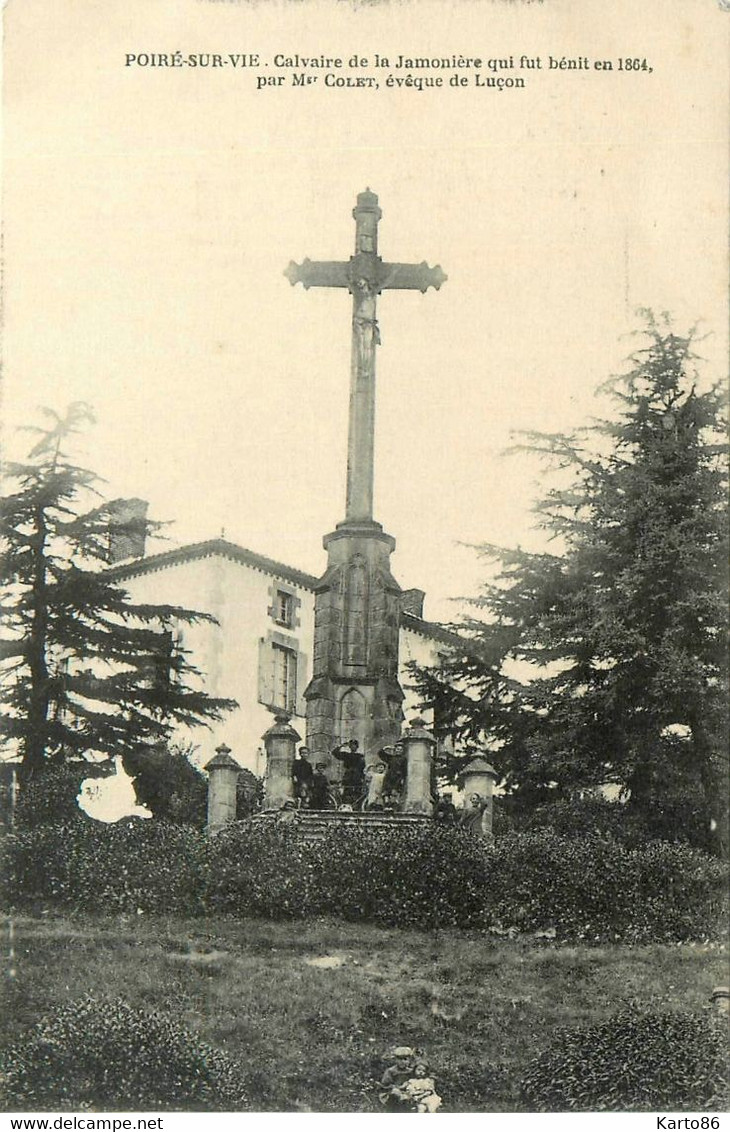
pixel 311 1008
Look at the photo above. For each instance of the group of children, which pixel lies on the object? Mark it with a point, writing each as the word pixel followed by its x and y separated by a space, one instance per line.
pixel 378 786
pixel 375 787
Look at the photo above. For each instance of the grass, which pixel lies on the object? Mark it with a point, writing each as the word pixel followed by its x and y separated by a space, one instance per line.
pixel 312 1038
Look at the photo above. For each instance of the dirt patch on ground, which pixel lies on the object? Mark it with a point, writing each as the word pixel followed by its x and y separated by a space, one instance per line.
pixel 196 958
pixel 326 962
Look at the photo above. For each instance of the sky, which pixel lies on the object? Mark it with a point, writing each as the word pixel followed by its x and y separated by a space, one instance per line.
pixel 150 212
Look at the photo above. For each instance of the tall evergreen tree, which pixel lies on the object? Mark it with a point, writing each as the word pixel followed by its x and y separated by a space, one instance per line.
pixel 606 660
pixel 85 670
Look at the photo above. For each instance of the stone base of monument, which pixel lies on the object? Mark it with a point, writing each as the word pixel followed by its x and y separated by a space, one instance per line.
pixel 316 824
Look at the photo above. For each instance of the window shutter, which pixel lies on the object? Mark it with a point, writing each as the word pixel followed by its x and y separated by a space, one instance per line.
pixel 291 683
pixel 301 703
pixel 266 672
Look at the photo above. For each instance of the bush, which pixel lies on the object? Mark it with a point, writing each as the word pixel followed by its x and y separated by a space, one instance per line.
pixel 249 794
pixel 503 820
pixel 426 877
pixel 635 1061
pixel 677 819
pixel 50 796
pixel 256 869
pixel 592 890
pixel 132 865
pixel 172 787
pixel 165 781
pixel 103 1055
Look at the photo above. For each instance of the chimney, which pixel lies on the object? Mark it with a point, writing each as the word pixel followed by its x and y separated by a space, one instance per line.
pixel 127 529
pixel 411 601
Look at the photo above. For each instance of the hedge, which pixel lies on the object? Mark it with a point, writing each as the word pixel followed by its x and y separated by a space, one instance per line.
pixel 682 819
pixel 592 889
pixel 422 878
pixel 129 866
pixel 103 1055
pixel 635 1061
pixel 51 798
pixel 595 889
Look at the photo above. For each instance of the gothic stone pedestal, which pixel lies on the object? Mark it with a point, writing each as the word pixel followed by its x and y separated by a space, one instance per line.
pixel 354 692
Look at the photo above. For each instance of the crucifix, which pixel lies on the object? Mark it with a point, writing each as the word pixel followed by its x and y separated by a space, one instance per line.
pixel 354 692
pixel 365 276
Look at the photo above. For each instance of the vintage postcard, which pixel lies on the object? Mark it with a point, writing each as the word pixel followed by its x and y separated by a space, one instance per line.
pixel 293 277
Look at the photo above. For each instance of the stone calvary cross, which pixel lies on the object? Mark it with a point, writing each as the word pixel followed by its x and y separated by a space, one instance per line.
pixel 354 693
pixel 365 276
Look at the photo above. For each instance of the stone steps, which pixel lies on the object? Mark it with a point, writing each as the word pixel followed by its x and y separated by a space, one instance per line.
pixel 316 824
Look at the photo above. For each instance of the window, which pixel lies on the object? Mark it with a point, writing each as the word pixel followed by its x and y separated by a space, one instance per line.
pixel 282 670
pixel 284 608
pixel 285 678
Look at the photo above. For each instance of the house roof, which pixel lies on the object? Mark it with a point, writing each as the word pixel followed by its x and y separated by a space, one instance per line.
pixel 220 547
pixel 214 547
pixel 430 629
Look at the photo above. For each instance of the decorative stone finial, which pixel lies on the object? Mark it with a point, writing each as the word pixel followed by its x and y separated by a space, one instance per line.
pixel 480 766
pixel 417 729
pixel 281 728
pixel 222 758
pixel 367 201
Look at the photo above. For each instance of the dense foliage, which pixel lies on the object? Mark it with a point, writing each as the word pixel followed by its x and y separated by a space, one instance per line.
pixel 423 877
pixel 166 781
pixel 681 819
pixel 592 889
pixel 605 659
pixel 50 797
pixel 635 1061
pixel 595 889
pixel 134 865
pixel 169 784
pixel 105 1056
pixel 84 669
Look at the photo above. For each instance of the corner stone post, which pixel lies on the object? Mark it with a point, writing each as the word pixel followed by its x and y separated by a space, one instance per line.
pixel 720 999
pixel 280 741
pixel 479 778
pixel 223 774
pixel 419 744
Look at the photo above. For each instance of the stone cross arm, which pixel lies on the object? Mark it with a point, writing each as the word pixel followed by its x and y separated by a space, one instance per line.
pixel 410 276
pixel 370 269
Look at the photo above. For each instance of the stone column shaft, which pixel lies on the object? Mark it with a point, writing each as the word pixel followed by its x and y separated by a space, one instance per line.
pixel 280 742
pixel 419 744
pixel 361 430
pixel 223 774
pixel 479 778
